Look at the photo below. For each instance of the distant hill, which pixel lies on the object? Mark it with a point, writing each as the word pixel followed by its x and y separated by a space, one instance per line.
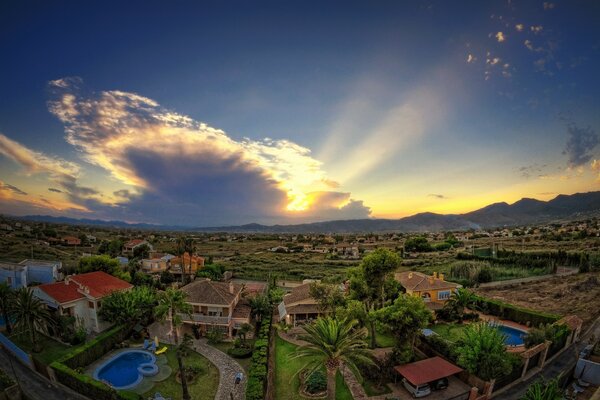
pixel 523 212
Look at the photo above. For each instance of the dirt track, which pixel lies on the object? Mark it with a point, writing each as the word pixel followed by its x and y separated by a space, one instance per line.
pixel 575 294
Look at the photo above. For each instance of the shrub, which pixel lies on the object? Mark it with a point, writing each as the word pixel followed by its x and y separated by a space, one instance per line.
pixel 316 382
pixel 240 352
pixel 257 374
pixel 513 313
pixel 5 380
pixel 214 335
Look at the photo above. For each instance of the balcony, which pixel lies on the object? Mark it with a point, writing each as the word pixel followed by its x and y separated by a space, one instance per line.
pixel 205 319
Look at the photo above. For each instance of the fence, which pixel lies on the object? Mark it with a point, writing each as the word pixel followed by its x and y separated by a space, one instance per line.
pixel 16 351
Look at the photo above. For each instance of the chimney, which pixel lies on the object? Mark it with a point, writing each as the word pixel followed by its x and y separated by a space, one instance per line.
pixel 231 287
pixel 441 277
pixel 431 280
pixel 410 275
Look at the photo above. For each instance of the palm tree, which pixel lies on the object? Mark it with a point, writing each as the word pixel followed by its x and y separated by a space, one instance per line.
pixel 171 304
pixel 30 314
pixel 180 250
pixel 459 300
pixel 334 342
pixel 190 248
pixel 6 298
pixel 259 307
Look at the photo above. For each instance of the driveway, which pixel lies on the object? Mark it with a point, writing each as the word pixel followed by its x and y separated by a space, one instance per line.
pixel 456 390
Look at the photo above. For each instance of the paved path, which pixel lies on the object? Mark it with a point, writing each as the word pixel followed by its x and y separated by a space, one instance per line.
pixel 564 362
pixel 226 365
pixel 562 271
pixel 34 385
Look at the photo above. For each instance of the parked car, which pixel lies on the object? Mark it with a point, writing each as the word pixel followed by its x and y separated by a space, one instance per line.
pixel 417 391
pixel 440 384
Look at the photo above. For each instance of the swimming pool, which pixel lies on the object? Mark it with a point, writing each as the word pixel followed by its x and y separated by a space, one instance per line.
pixel 127 369
pixel 513 336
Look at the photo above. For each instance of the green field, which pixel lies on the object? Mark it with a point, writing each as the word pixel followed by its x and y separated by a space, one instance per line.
pixel 51 349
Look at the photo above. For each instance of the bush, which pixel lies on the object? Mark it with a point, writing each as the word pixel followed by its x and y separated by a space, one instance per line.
pixel 5 380
pixel 316 382
pixel 240 352
pixel 513 313
pixel 257 374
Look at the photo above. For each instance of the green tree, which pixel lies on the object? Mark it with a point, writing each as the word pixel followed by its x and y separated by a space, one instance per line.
pixel 190 248
pixel 405 319
pixel 459 300
pixel 130 306
pixel 373 283
pixel 6 299
pixel 259 307
pixel 30 315
pixel 333 342
pixel 328 296
pixel 418 244
pixel 243 332
pixel 211 271
pixel 141 252
pixel 171 304
pixel 98 263
pixel 542 390
pixel 482 352
pixel 180 251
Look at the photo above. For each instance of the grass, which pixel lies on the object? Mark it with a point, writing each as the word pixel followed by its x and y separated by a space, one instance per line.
pixel 373 390
pixel 451 332
pixel 51 349
pixel 204 387
pixel 287 381
pixel 244 362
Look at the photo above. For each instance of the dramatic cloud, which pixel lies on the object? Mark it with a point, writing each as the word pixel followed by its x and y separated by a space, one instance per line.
pixel 14 189
pixel 179 171
pixel 580 144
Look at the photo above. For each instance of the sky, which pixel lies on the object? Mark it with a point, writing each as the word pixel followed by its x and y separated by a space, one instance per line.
pixel 226 113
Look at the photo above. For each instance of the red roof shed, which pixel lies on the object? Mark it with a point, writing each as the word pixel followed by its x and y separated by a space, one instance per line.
pixel 428 370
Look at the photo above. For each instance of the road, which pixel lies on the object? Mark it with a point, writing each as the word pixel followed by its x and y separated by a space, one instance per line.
pixel 34 385
pixel 564 362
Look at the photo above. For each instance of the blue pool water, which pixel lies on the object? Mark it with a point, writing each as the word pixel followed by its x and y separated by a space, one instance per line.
pixel 514 337
pixel 122 371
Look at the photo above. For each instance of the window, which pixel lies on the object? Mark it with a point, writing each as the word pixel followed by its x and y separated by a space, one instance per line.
pixel 9 281
pixel 90 304
pixel 445 295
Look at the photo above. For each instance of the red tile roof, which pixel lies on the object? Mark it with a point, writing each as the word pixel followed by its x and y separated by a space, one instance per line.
pixel 428 370
pixel 61 292
pixel 417 281
pixel 134 242
pixel 98 283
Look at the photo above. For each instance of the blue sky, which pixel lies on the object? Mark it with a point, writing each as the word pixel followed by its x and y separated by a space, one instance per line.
pixel 371 110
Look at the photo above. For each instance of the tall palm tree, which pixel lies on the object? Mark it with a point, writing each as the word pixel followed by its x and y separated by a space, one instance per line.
pixel 30 314
pixel 180 250
pixel 334 342
pixel 190 248
pixel 6 298
pixel 171 304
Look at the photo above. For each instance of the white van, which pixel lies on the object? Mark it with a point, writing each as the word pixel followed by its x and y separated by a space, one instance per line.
pixel 417 391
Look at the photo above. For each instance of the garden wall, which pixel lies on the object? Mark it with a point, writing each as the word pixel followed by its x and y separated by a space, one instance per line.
pixel 66 369
pixel 513 313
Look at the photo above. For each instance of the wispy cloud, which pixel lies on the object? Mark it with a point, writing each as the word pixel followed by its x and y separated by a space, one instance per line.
pixel 55 190
pixel 580 144
pixel 533 170
pixel 14 189
pixel 437 196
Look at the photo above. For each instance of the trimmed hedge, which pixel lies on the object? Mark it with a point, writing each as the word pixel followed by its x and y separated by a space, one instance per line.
pixel 64 368
pixel 240 352
pixel 511 312
pixel 257 374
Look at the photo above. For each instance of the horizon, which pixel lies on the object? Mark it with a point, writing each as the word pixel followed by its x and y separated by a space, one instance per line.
pixel 214 115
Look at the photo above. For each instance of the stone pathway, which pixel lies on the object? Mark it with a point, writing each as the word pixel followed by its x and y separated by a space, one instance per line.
pixel 226 365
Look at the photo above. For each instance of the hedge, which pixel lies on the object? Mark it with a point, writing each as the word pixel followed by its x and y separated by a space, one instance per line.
pixel 64 368
pixel 257 374
pixel 511 312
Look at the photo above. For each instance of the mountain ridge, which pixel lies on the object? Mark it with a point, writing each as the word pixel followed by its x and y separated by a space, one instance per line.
pixel 522 212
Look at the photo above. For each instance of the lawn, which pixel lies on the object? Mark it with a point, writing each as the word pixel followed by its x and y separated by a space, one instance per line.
pixel 244 362
pixel 384 338
pixel 287 381
pixel 204 387
pixel 51 349
pixel 451 332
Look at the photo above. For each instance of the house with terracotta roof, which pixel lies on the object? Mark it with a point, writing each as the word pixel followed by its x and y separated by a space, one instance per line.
pixel 129 247
pixel 71 241
pixel 298 306
pixel 197 264
pixel 433 289
pixel 216 304
pixel 81 296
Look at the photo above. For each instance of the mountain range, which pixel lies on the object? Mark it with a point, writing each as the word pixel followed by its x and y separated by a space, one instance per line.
pixel 523 212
